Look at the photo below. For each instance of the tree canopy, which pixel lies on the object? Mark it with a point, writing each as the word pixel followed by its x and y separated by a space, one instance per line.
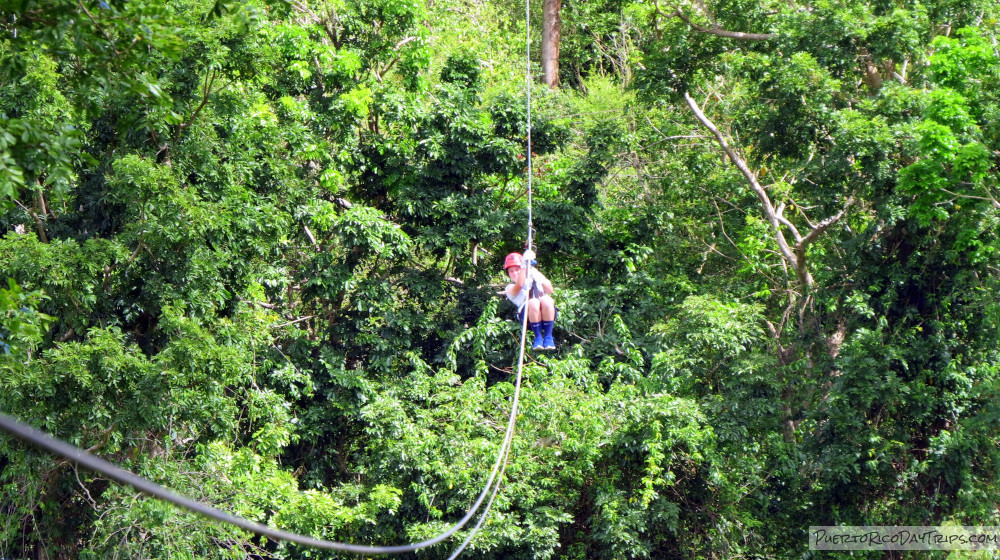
pixel 252 251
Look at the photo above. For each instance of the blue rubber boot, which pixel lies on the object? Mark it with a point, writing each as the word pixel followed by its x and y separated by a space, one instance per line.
pixel 539 340
pixel 547 340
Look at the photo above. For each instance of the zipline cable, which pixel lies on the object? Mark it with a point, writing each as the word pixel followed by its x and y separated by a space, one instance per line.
pixel 527 95
pixel 507 444
pixel 505 448
pixel 82 458
pixel 527 265
pixel 485 514
pixel 75 454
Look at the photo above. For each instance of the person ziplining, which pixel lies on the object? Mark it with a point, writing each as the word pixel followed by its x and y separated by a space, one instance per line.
pixel 531 291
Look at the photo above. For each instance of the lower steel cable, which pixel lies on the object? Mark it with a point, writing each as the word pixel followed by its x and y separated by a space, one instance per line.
pixel 60 448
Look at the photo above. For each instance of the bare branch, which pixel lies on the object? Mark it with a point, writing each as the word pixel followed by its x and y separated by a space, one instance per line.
pixel 717 31
pixel 111 267
pixel 400 44
pixel 76 472
pixel 751 178
pixel 820 227
pixel 299 320
pixel 38 221
pixel 206 91
pixel 664 137
pixel 99 27
pixel 794 257
pixel 312 239
pixel 989 197
pixel 722 224
pixel 781 218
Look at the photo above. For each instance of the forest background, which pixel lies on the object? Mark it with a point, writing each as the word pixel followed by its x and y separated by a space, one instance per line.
pixel 252 251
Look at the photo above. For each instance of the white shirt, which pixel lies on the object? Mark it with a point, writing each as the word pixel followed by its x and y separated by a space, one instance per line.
pixel 534 277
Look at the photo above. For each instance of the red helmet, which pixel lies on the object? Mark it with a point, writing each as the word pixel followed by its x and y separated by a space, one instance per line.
pixel 513 259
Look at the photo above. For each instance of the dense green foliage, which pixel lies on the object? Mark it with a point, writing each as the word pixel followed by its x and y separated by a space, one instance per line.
pixel 251 250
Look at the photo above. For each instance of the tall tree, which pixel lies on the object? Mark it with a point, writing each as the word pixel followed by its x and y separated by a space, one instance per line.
pixel 551 28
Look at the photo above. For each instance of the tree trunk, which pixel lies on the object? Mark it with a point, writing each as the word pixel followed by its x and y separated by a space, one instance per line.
pixel 550 41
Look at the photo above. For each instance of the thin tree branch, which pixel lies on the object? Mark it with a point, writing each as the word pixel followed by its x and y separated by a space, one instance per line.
pixel 989 197
pixel 312 239
pixel 751 178
pixel 67 335
pixel 717 31
pixel 99 27
pixel 820 227
pixel 111 267
pixel 299 320
pixel 38 221
pixel 722 224
pixel 781 218
pixel 205 93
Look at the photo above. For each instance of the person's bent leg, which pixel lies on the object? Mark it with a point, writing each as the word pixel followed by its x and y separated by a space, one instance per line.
pixel 534 314
pixel 534 310
pixel 547 312
pixel 547 308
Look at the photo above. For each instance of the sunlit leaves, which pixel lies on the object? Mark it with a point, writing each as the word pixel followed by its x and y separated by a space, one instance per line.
pixel 21 325
pixel 960 63
pixel 267 235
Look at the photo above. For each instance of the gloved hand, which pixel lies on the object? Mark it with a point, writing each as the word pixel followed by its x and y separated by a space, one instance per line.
pixel 529 256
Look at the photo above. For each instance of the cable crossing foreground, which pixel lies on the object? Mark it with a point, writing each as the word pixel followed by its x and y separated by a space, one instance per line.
pixel 527 265
pixel 84 459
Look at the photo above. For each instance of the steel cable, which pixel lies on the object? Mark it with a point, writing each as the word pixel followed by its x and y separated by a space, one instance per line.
pixel 82 458
pixel 527 264
pixel 74 454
